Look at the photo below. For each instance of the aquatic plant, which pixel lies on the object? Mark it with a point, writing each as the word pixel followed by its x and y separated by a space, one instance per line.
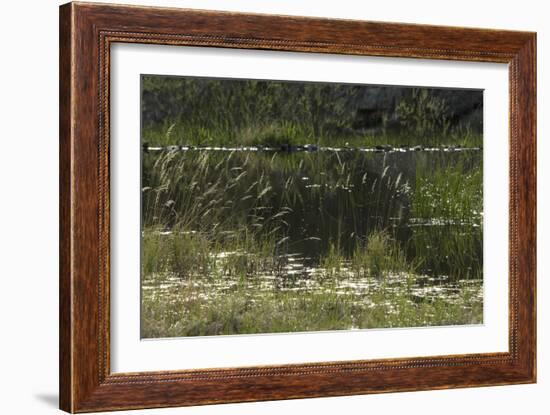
pixel 378 255
pixel 448 231
pixel 304 238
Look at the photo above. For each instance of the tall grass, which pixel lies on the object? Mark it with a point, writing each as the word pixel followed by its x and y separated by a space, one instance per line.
pixel 293 133
pixel 226 223
pixel 195 111
pixel 378 255
pixel 188 311
pixel 262 206
pixel 450 197
pixel 452 191
pixel 275 204
pixel 224 194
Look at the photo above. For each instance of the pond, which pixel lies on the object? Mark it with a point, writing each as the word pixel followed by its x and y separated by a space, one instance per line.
pixel 269 229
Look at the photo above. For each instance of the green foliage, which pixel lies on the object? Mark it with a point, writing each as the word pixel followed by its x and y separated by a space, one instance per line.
pixel 214 111
pixel 204 111
pixel 218 226
pixel 450 198
pixel 276 133
pixel 450 192
pixel 379 255
pixel 189 311
pixel 424 115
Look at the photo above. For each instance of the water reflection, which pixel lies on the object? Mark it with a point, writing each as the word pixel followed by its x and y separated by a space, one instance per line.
pixel 313 201
pixel 340 236
pixel 297 276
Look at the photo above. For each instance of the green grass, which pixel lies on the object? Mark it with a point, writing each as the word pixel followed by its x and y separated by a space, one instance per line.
pixel 186 312
pixel 379 255
pixel 218 226
pixel 181 132
pixel 193 255
pixel 216 297
pixel 450 191
pixel 194 111
pixel 451 195
pixel 225 193
pixel 234 201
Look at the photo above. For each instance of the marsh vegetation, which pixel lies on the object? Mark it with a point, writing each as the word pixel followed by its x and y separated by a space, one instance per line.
pixel 283 207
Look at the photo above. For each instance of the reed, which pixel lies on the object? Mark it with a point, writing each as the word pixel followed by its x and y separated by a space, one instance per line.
pixel 450 199
pixel 238 242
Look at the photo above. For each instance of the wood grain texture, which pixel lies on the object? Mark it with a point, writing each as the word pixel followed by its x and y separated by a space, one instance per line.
pixel 86 33
pixel 65 247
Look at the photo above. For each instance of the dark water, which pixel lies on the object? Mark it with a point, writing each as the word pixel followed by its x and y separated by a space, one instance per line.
pixel 313 201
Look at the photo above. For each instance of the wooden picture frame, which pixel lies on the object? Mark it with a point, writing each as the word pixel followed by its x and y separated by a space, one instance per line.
pixel 86 33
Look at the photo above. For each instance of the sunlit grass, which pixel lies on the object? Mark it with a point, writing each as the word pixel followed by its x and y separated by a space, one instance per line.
pixel 273 134
pixel 450 197
pixel 218 227
pixel 188 312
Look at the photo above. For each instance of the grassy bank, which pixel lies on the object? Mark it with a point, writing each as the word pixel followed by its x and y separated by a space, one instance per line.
pixel 195 311
pixel 196 289
pixel 195 111
pixel 182 132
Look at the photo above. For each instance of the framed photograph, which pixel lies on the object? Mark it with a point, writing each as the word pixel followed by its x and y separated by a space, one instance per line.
pixel 258 207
